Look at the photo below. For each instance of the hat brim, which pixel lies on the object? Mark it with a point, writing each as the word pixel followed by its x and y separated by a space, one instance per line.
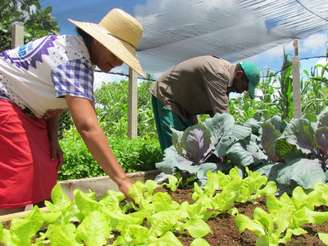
pixel 123 50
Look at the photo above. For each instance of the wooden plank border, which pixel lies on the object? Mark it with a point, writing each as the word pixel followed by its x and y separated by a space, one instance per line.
pixel 99 185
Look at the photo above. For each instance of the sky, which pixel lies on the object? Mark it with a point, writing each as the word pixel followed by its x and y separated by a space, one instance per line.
pixel 93 10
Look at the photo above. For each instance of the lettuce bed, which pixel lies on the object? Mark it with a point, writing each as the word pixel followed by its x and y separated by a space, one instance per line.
pixel 159 216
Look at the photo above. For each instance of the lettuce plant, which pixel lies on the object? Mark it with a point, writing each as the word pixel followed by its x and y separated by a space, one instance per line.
pixel 323 237
pixel 285 216
pixel 152 217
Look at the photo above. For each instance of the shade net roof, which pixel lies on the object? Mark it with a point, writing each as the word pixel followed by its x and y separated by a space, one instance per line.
pixel 175 30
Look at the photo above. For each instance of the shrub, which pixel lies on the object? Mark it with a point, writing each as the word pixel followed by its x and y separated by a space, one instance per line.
pixel 136 154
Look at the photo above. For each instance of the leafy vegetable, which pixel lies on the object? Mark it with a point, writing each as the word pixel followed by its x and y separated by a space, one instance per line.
pixel 203 147
pixel 155 218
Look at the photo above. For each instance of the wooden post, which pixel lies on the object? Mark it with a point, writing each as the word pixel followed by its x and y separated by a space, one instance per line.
pixel 133 104
pixel 327 51
pixel 17 34
pixel 296 82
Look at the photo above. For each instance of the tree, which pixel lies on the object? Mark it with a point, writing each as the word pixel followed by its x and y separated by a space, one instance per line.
pixel 38 22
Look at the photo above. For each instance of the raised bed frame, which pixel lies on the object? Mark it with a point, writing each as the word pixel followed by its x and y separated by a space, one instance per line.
pixel 99 185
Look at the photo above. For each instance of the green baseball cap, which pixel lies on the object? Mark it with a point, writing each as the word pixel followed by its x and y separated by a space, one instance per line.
pixel 253 75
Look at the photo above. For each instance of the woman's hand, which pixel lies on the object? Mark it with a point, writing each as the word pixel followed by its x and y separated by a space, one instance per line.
pixel 56 152
pixel 53 113
pixel 52 118
pixel 124 185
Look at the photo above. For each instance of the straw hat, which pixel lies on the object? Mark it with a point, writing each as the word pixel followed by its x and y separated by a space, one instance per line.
pixel 120 33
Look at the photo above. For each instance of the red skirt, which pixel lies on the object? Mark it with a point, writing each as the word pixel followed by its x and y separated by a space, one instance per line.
pixel 27 173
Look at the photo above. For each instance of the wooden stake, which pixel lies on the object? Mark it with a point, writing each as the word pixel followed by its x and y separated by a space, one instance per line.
pixel 17 34
pixel 296 82
pixel 133 104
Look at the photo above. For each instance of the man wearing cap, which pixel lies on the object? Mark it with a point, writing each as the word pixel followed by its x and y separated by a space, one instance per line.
pixel 200 85
pixel 41 79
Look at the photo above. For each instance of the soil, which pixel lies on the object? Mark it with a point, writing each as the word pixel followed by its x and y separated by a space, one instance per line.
pixel 225 232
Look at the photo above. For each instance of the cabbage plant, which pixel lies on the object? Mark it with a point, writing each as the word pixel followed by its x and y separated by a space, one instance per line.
pixel 217 144
pixel 299 150
pixel 294 153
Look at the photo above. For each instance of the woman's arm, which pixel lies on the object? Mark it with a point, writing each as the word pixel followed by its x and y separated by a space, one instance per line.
pixel 85 120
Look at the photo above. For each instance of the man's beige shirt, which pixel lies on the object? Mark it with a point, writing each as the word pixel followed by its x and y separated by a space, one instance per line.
pixel 196 86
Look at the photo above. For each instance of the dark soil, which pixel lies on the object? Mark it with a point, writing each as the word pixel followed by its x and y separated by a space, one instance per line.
pixel 225 232
pixel 6 224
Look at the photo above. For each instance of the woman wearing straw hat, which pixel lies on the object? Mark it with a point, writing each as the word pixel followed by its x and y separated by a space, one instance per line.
pixel 41 79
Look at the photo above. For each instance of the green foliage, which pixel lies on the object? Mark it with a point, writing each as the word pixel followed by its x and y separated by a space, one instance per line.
pixel 323 237
pixel 277 98
pixel 152 218
pixel 137 154
pixel 301 149
pixel 243 108
pixel 300 138
pixel 38 22
pixel 315 91
pixel 133 154
pixel 271 131
pixel 285 216
pixel 22 230
pixel 216 144
pixel 78 162
pixel 285 99
pixel 112 108
pixel 65 123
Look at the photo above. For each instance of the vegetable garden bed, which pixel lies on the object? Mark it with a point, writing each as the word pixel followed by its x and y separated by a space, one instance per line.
pixel 98 185
pixel 228 210
pixel 225 231
pixel 285 201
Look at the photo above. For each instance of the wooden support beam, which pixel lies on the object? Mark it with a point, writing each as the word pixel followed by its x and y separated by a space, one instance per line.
pixel 17 34
pixel 296 82
pixel 133 104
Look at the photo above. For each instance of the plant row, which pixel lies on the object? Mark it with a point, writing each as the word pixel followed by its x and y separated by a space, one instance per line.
pixel 290 153
pixel 153 218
